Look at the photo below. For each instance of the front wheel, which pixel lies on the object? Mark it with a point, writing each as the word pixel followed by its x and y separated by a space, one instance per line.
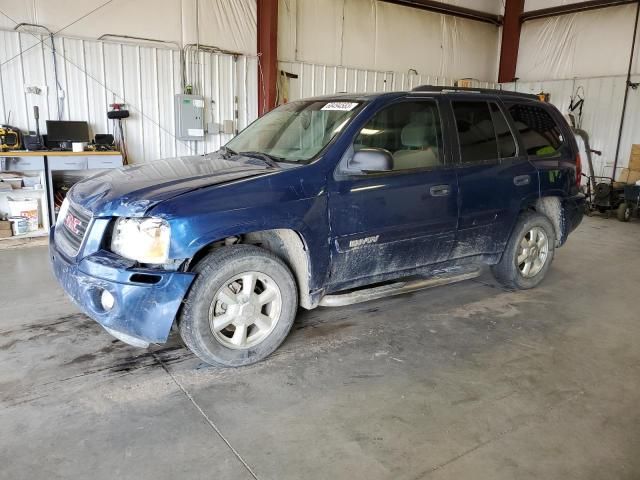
pixel 529 253
pixel 240 307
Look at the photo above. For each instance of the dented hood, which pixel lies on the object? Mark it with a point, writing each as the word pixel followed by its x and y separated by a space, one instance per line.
pixel 131 191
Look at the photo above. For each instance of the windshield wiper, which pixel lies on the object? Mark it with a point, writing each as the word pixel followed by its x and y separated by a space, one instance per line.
pixel 227 152
pixel 270 160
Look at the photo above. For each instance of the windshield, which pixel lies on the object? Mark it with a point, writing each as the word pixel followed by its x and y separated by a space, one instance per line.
pixel 296 131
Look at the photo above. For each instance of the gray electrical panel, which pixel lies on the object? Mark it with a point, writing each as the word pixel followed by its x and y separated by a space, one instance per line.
pixel 189 117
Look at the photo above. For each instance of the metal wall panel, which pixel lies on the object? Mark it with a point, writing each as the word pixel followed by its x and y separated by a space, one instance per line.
pixel 315 79
pixel 601 114
pixel 94 74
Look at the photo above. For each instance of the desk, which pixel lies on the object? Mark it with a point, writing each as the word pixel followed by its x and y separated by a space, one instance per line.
pixel 55 169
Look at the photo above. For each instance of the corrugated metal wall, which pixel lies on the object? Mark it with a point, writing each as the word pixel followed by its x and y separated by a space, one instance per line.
pixel 93 74
pixel 601 113
pixel 315 79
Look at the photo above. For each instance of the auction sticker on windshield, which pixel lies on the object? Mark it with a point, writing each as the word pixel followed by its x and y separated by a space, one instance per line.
pixel 343 106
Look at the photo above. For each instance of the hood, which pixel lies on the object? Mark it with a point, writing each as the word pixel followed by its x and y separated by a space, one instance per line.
pixel 131 191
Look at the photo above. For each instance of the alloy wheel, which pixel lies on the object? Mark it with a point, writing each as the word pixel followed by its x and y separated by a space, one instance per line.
pixel 533 252
pixel 245 310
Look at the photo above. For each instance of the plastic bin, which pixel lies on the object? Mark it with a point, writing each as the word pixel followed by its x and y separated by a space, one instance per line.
pixel 19 225
pixel 25 207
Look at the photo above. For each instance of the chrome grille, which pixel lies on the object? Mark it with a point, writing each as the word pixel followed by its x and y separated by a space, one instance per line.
pixel 72 229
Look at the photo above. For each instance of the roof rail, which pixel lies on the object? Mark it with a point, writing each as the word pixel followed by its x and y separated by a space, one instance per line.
pixel 490 91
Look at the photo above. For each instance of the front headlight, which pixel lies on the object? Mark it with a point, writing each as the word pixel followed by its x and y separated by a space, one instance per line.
pixel 145 240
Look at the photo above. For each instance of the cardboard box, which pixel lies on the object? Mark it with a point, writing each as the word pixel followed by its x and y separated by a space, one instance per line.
pixel 629 176
pixel 5 225
pixel 634 158
pixel 5 234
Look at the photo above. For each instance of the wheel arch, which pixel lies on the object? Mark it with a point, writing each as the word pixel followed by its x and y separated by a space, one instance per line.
pixel 551 207
pixel 287 244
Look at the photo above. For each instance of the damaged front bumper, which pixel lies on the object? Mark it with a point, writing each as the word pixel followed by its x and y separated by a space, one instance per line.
pixel 145 301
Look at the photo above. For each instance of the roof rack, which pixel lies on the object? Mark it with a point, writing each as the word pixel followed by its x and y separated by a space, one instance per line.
pixel 491 91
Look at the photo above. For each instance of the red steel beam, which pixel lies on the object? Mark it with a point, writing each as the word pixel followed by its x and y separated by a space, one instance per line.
pixel 573 8
pixel 448 9
pixel 268 54
pixel 510 40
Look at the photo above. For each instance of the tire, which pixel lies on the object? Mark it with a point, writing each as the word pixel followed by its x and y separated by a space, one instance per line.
pixel 624 212
pixel 512 274
pixel 218 294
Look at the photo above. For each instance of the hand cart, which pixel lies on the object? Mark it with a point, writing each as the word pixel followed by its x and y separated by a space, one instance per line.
pixel 603 194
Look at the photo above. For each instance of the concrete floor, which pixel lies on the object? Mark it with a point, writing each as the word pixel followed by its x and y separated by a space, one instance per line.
pixel 464 381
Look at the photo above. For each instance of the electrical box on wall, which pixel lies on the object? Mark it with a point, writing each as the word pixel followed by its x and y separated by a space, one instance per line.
pixel 189 117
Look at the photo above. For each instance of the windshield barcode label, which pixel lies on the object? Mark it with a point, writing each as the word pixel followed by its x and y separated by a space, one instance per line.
pixel 344 106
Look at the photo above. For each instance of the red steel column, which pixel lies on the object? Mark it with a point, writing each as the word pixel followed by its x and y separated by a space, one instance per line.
pixel 510 40
pixel 268 51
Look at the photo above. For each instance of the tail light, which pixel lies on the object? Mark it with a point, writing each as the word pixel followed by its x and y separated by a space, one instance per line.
pixel 578 170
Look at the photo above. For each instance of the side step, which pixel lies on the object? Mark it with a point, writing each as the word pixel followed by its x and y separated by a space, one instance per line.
pixel 397 288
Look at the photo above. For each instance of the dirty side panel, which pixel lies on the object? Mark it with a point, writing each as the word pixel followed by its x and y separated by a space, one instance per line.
pixel 391 223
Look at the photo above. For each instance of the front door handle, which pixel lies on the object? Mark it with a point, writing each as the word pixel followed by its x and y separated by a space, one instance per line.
pixel 521 180
pixel 440 190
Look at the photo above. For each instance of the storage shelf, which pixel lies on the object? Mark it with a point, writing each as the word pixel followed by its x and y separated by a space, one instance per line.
pixel 50 166
pixel 55 153
pixel 23 191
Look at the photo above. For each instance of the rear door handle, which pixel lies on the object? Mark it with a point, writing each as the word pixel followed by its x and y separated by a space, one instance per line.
pixel 440 190
pixel 521 180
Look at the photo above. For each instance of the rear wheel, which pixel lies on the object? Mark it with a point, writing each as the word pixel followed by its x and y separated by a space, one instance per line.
pixel 529 253
pixel 624 212
pixel 240 307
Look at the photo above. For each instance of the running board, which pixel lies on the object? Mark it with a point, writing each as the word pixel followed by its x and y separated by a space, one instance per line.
pixel 397 288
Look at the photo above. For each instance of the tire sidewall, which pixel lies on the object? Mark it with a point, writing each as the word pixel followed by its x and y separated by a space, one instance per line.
pixel 624 212
pixel 194 321
pixel 525 224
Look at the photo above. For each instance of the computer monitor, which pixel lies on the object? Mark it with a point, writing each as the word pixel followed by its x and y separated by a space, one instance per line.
pixel 63 131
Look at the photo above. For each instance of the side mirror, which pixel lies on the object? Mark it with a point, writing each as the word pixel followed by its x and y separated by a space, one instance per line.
pixel 371 160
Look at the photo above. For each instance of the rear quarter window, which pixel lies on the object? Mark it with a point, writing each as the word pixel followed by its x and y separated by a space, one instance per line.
pixel 540 134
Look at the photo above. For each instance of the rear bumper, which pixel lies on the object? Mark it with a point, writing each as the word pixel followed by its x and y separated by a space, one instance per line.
pixel 145 304
pixel 573 209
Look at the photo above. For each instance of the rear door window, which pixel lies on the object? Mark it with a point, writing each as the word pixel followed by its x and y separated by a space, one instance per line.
pixel 541 135
pixel 476 132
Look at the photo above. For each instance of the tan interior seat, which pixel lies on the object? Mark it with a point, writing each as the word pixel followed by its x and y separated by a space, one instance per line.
pixel 419 139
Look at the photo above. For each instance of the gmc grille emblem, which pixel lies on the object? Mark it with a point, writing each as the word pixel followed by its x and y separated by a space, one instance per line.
pixel 72 223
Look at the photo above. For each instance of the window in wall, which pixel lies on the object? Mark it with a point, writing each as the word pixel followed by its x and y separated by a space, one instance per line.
pixel 475 131
pixel 540 133
pixel 506 142
pixel 410 131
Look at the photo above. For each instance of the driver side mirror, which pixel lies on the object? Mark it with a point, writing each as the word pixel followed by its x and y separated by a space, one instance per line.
pixel 371 160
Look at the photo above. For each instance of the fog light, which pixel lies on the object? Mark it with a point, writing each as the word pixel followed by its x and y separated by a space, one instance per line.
pixel 106 300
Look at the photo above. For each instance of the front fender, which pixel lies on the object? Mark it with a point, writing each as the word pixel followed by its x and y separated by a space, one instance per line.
pixel 191 234
pixel 293 199
pixel 307 217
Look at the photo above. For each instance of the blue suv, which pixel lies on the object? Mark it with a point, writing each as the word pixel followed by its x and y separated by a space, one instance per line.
pixel 325 201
